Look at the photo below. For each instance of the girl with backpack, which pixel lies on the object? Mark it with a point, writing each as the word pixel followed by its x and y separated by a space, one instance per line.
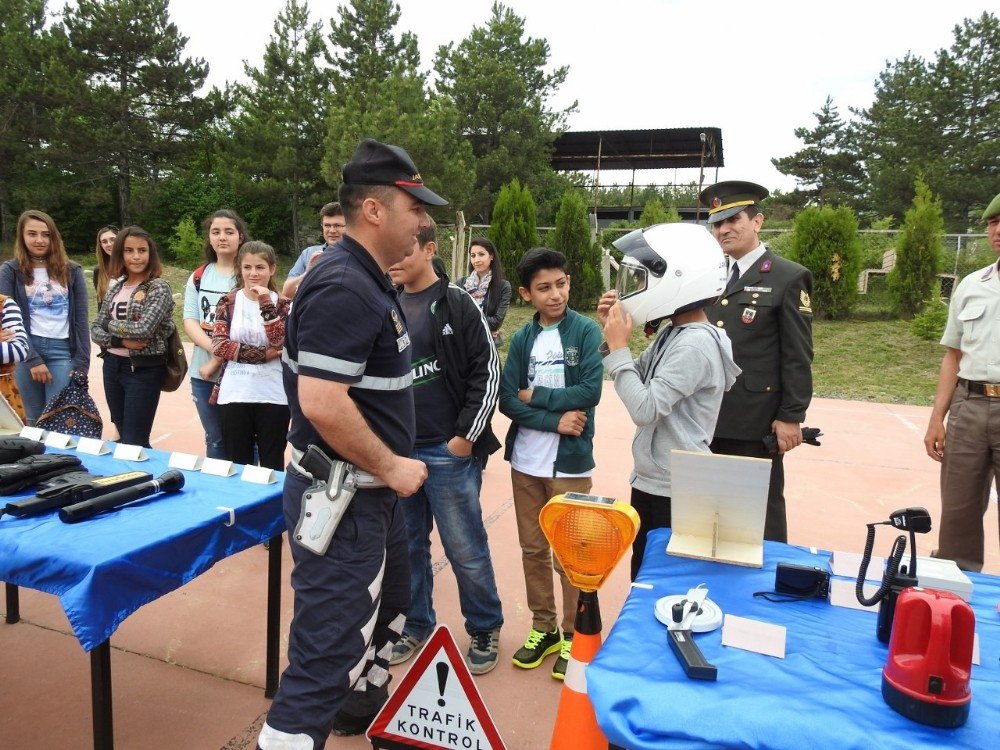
pixel 225 232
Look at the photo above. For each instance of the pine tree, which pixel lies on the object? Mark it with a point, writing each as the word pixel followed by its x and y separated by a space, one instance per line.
pixel 278 128
pixel 917 255
pixel 514 226
pixel 500 84
pixel 827 170
pixel 140 108
pixel 399 110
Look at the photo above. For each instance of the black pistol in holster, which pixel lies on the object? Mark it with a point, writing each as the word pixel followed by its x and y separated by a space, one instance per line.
pixel 71 488
pixel 32 470
pixel 328 497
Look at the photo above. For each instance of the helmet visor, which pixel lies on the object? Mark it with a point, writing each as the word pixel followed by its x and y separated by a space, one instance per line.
pixel 632 278
pixel 635 247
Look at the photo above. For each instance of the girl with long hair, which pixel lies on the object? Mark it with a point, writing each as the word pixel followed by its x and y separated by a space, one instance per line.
pixel 486 284
pixel 132 328
pixel 225 232
pixel 50 291
pixel 103 246
pixel 248 336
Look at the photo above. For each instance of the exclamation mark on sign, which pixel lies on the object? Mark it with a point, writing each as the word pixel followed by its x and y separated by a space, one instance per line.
pixel 442 670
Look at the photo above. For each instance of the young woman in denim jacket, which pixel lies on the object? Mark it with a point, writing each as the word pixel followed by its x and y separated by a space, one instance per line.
pixel 132 328
pixel 51 293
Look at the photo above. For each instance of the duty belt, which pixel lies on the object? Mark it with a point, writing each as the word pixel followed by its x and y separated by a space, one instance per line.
pixel 990 390
pixel 316 465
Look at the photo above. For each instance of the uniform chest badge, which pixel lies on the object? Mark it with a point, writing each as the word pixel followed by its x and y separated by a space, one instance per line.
pixel 749 313
pixel 765 266
pixel 805 304
pixel 571 354
pixel 403 341
pixel 396 322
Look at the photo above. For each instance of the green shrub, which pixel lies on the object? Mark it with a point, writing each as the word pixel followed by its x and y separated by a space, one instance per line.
pixel 513 228
pixel 185 244
pixel 583 258
pixel 929 324
pixel 654 213
pixel 918 253
pixel 825 241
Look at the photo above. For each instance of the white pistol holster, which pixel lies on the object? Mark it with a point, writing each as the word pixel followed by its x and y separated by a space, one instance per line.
pixel 324 503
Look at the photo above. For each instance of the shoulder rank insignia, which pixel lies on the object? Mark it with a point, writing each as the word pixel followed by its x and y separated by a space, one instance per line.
pixel 765 266
pixel 805 304
pixel 396 322
pixel 989 272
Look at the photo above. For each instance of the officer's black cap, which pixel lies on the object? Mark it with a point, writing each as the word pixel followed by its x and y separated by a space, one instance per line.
pixel 377 163
pixel 725 199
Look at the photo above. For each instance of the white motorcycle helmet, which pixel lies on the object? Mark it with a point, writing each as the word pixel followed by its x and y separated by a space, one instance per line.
pixel 667 269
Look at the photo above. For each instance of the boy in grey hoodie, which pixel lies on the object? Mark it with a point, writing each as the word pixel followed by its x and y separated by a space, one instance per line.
pixel 673 390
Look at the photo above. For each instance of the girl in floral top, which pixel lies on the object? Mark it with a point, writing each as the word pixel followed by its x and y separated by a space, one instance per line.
pixel 248 335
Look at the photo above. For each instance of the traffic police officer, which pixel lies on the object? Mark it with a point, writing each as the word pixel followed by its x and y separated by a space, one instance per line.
pixel 968 391
pixel 767 312
pixel 347 374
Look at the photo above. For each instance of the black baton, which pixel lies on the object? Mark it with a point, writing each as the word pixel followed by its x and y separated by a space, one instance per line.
pixel 169 481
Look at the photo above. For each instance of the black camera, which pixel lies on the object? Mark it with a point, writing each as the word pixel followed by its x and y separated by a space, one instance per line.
pixel 801 581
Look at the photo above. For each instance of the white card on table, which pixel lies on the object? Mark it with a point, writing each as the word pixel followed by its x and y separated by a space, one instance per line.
pixel 848 564
pixel 258 474
pixel 753 635
pixel 185 461
pixel 217 467
pixel 126 452
pixel 842 594
pixel 58 440
pixel 92 447
pixel 33 433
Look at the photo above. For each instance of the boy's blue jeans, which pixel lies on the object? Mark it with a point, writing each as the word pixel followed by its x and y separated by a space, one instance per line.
pixel 450 496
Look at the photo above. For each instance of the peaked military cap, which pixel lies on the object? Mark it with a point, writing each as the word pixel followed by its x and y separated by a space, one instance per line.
pixel 725 199
pixel 377 163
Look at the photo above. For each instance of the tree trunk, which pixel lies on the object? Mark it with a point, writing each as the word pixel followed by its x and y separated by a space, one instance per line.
pixel 124 192
pixel 296 247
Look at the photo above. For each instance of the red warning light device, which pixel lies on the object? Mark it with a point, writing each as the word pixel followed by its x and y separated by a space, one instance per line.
pixel 926 676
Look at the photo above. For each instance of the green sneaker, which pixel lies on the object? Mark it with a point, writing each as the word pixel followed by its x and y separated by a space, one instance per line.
pixel 537 646
pixel 559 668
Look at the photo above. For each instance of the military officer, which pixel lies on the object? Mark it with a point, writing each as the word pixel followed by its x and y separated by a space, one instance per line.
pixel 767 312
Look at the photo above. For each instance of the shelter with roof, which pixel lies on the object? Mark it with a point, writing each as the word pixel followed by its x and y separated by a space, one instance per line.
pixel 633 150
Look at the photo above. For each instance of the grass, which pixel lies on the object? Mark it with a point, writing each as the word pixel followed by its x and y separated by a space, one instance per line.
pixel 859 360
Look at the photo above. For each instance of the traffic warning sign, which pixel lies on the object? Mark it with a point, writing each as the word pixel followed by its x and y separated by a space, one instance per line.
pixel 437 705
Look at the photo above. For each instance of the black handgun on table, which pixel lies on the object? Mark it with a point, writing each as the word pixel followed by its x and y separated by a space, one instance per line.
pixel 72 488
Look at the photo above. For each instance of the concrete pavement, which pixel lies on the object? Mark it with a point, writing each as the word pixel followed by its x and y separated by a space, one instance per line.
pixel 189 667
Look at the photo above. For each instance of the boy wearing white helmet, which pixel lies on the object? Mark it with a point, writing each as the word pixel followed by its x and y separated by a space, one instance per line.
pixel 673 391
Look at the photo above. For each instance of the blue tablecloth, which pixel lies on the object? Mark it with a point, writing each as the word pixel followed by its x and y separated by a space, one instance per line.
pixel 825 693
pixel 105 568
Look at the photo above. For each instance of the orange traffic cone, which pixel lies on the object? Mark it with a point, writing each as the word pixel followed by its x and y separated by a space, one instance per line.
pixel 576 725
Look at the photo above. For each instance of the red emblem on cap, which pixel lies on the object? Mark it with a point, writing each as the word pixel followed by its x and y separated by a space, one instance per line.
pixel 716 202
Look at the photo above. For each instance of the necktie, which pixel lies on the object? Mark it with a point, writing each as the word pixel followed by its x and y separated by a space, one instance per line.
pixel 734 277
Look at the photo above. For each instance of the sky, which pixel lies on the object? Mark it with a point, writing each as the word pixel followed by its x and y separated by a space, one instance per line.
pixel 755 70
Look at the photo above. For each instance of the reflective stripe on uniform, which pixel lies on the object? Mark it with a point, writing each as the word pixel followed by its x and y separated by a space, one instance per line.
pixel 350 369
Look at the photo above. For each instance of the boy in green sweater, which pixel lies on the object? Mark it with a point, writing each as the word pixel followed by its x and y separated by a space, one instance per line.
pixel 551 383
